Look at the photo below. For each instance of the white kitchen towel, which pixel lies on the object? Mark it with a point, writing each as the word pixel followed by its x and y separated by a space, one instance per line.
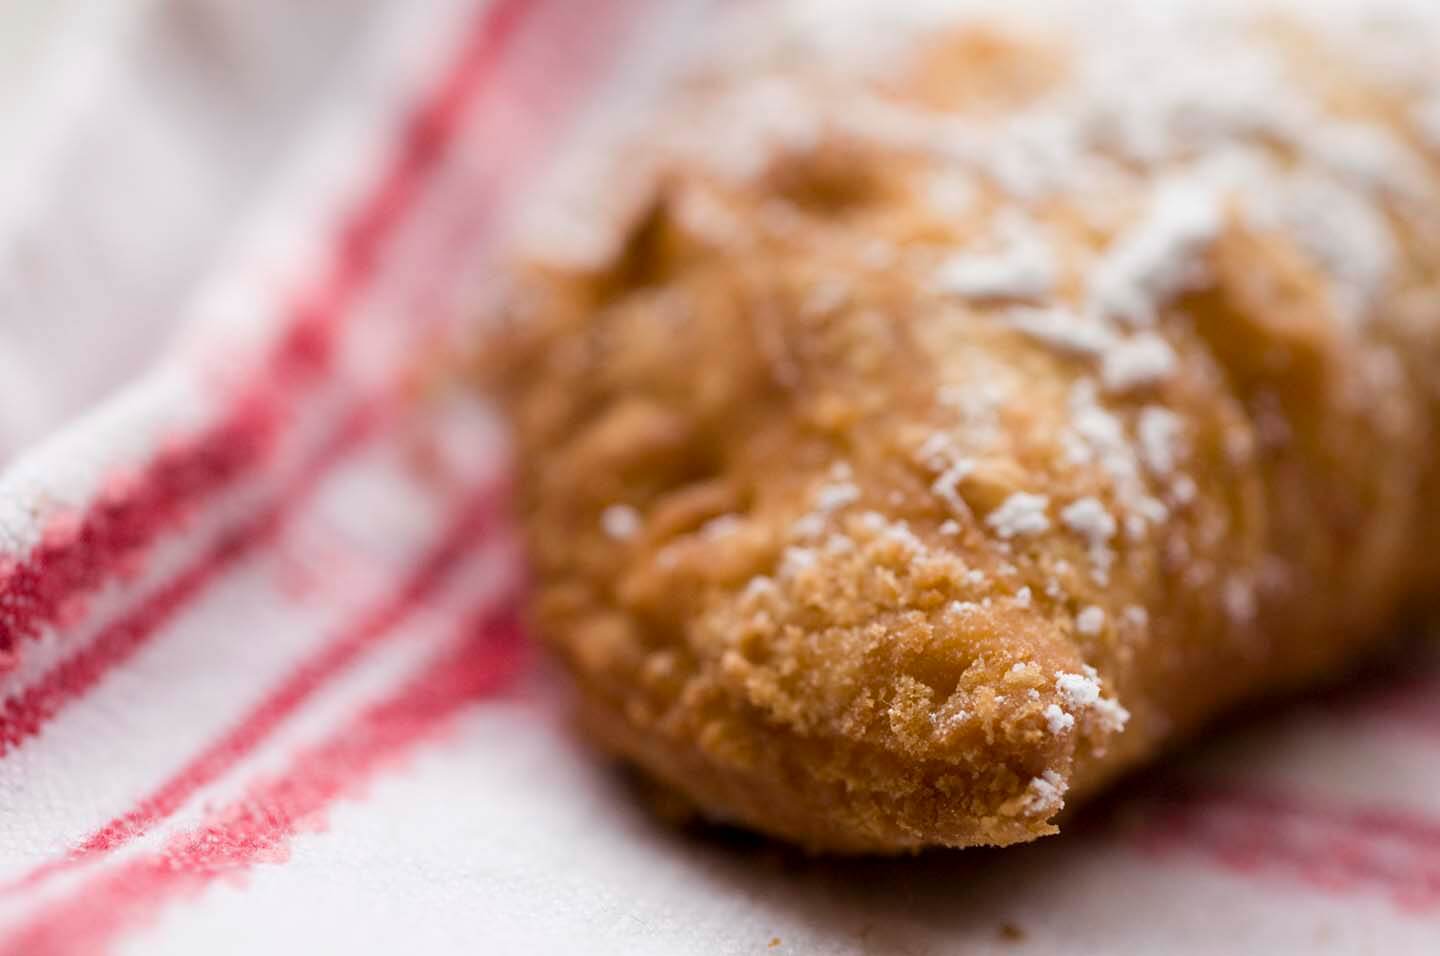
pixel 264 687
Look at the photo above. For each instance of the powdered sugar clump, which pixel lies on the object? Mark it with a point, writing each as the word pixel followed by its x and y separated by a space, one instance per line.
pixel 1091 520
pixel 1058 720
pixel 833 497
pixel 1240 601
pixel 946 486
pixel 1142 361
pixel 1045 794
pixel 1023 268
pixel 620 522
pixel 1158 430
pixel 1020 514
pixel 1159 258
pixel 1090 621
pixel 1082 693
pixel 1062 329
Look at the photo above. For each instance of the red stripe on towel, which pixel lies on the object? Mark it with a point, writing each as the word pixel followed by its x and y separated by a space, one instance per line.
pixel 23 715
pixel 329 662
pixel 1301 841
pixel 78 553
pixel 259 827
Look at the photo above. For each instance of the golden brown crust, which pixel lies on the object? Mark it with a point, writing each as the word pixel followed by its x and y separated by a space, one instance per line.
pixel 848 559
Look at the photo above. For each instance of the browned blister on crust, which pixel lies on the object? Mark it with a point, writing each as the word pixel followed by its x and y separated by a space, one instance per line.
pixel 878 500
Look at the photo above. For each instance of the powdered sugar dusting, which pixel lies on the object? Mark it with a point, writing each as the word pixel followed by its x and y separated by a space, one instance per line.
pixel 1137 105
